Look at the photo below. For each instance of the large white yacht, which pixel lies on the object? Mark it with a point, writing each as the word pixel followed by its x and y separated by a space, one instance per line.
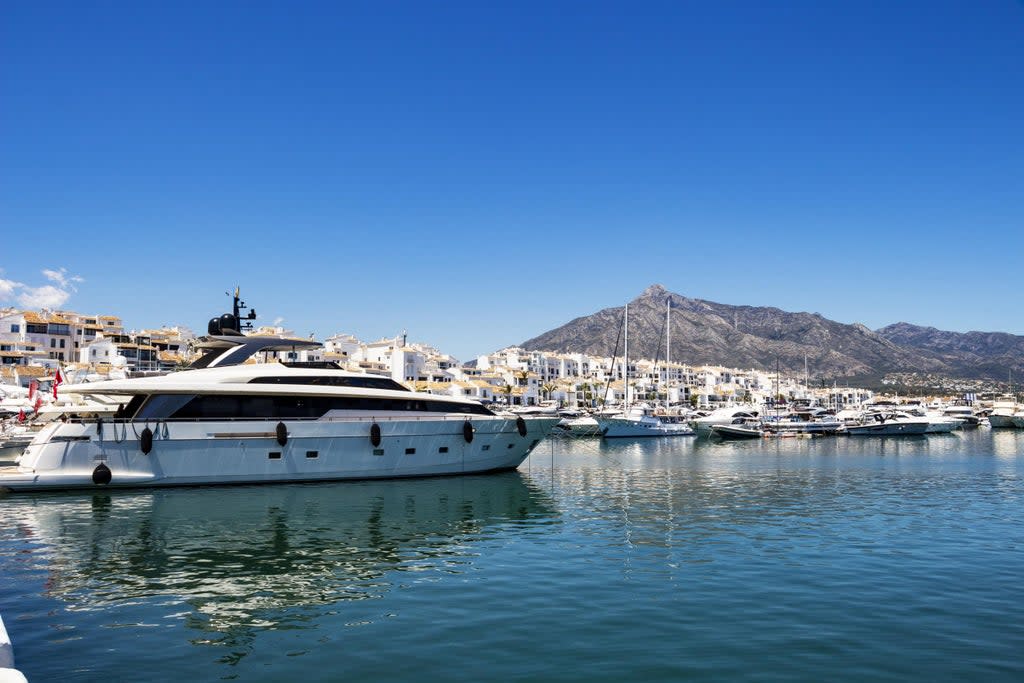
pixel 228 421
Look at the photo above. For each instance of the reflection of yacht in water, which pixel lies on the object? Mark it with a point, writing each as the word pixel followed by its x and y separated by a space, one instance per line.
pixel 227 420
pixel 249 556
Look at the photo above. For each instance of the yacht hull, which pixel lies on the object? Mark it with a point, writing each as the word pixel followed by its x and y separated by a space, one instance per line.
pixel 1001 421
pixel 66 456
pixel 733 432
pixel 888 429
pixel 615 428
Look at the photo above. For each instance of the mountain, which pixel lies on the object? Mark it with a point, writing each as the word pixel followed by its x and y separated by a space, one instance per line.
pixel 985 355
pixel 708 333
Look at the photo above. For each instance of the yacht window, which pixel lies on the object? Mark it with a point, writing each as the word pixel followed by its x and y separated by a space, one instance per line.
pixel 234 406
pixel 133 406
pixel 367 382
pixel 159 406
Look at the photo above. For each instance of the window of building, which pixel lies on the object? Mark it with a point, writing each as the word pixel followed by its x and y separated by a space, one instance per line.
pixel 15 328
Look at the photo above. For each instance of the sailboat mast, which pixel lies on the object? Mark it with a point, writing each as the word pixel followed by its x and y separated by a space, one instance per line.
pixel 668 348
pixel 625 362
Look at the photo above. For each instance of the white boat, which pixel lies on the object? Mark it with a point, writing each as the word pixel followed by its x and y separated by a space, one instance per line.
pixel 643 421
pixel 889 424
pixel 810 421
pixel 1002 414
pixel 938 421
pixel 965 414
pixel 227 421
pixel 13 441
pixel 721 416
pixel 740 428
pixel 575 423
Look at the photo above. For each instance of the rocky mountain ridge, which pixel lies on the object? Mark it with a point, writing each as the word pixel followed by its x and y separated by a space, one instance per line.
pixel 708 333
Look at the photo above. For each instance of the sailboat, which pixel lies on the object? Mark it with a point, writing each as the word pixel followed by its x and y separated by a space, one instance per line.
pixel 641 420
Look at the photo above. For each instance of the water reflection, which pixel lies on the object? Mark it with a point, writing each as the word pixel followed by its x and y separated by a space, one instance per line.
pixel 238 559
pixel 707 500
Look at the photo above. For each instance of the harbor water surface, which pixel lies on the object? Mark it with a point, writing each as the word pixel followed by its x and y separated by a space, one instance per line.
pixel 667 560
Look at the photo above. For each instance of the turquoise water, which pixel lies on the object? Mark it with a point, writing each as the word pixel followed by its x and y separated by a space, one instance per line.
pixel 794 559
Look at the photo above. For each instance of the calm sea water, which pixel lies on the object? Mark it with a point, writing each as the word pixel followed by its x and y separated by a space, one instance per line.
pixel 824 559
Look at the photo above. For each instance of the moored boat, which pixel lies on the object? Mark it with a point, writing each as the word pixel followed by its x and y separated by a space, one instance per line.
pixel 703 425
pixel 889 424
pixel 228 421
pixel 739 429
pixel 1001 415
pixel 641 422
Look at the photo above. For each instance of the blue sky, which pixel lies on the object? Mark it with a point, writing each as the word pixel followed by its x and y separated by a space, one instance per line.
pixel 479 173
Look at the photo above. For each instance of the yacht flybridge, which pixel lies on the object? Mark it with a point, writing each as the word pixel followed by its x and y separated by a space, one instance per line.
pixel 228 421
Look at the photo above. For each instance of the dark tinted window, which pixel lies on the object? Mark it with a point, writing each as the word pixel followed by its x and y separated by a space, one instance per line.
pixel 363 382
pixel 296 407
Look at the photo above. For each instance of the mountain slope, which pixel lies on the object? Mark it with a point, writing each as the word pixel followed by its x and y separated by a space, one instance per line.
pixel 704 332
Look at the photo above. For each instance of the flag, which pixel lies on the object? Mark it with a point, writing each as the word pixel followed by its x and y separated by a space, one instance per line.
pixel 39 402
pixel 21 415
pixel 32 386
pixel 58 379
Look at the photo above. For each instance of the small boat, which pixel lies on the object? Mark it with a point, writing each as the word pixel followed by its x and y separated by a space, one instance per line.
pixel 575 423
pixel 723 416
pixel 739 429
pixel 810 422
pixel 12 445
pixel 889 424
pixel 965 414
pixel 642 421
pixel 1001 416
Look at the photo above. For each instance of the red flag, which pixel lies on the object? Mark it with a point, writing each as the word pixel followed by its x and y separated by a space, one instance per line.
pixel 32 386
pixel 21 415
pixel 39 402
pixel 58 379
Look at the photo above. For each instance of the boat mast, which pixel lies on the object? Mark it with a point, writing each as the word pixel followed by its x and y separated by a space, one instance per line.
pixel 668 347
pixel 625 360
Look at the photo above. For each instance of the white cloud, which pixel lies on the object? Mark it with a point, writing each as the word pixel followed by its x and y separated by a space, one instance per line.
pixel 7 288
pixel 278 321
pixel 61 278
pixel 46 296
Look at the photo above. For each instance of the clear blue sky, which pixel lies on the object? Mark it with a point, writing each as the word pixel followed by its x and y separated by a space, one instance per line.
pixel 478 173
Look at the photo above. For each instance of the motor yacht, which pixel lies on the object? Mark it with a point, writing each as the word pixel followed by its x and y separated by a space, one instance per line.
pixel 226 420
pixel 1002 414
pixel 723 416
pixel 643 421
pixel 965 414
pixel 740 428
pixel 889 424
pixel 576 423
pixel 807 421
